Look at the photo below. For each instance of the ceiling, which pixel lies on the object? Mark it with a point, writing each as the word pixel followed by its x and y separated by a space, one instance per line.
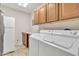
pixel 28 9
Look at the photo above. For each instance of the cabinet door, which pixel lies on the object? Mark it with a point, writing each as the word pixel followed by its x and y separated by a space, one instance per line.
pixel 36 21
pixel 52 12
pixel 42 14
pixel 68 10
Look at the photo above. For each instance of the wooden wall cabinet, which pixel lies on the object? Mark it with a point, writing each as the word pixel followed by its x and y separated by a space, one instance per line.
pixel 36 17
pixel 42 14
pixel 52 12
pixel 68 10
pixel 56 11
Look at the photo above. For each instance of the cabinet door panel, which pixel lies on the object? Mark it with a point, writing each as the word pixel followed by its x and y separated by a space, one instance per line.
pixel 68 10
pixel 52 12
pixel 42 14
pixel 36 19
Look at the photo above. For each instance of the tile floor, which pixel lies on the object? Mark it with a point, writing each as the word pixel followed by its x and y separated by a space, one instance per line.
pixel 20 51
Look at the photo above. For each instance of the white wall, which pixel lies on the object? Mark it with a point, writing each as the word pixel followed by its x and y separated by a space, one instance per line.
pixel 23 22
pixel 61 25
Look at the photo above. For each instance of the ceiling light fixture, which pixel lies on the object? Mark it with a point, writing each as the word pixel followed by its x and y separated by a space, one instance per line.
pixel 20 4
pixel 23 4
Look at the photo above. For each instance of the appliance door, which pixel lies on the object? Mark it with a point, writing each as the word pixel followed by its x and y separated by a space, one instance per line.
pixel 9 21
pixel 9 40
